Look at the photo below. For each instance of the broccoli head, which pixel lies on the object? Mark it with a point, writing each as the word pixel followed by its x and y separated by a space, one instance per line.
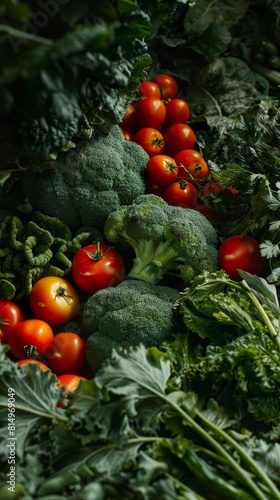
pixel 164 238
pixel 88 182
pixel 132 313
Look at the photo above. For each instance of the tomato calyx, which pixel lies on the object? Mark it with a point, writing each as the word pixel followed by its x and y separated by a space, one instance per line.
pixel 62 292
pixel 183 183
pixel 157 142
pixel 30 351
pixel 98 254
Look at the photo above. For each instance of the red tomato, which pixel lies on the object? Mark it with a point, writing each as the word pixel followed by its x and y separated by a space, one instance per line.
pixel 36 361
pixel 30 332
pixel 168 85
pixel 181 193
pixel 178 137
pixel 240 252
pixel 96 266
pixel 193 165
pixel 129 119
pixel 151 140
pixel 153 188
pixel 128 134
pixel 177 111
pixel 150 112
pixel 10 315
pixel 66 353
pixel 149 88
pixel 54 300
pixel 162 169
pixel 70 381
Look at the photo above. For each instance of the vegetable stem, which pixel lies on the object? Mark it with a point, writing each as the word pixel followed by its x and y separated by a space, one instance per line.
pixel 246 458
pixel 24 36
pixel 271 330
pixel 240 472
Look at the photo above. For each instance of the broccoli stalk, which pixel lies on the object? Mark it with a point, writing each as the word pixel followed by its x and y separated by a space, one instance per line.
pixel 164 239
pixel 153 260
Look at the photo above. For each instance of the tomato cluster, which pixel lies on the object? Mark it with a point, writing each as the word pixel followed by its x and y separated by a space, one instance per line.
pixel 158 122
pixel 42 334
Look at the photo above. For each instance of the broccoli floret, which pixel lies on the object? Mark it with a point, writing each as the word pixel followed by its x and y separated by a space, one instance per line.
pixel 164 238
pixel 131 313
pixel 88 182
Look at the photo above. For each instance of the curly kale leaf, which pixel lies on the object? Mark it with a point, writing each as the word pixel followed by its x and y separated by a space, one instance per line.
pixel 58 123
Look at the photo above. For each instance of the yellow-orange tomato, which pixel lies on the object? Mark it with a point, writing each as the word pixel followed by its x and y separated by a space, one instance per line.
pixel 54 300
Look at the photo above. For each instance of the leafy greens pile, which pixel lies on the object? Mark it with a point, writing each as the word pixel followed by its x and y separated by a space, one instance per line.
pixel 138 430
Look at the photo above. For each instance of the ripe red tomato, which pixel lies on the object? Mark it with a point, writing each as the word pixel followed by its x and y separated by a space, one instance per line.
pixel 162 169
pixel 30 332
pixel 129 119
pixel 178 137
pixel 149 88
pixel 151 140
pixel 177 111
pixel 168 85
pixel 54 300
pixel 150 112
pixel 66 353
pixel 194 165
pixel 128 134
pixel 240 252
pixel 43 366
pixel 70 381
pixel 96 266
pixel 181 193
pixel 10 315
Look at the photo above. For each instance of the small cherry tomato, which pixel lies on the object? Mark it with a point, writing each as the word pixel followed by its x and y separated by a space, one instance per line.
pixel 181 193
pixel 70 381
pixel 177 111
pixel 43 366
pixel 54 300
pixel 149 88
pixel 168 85
pixel 151 140
pixel 66 353
pixel 96 266
pixel 30 338
pixel 178 137
pixel 240 252
pixel 162 169
pixel 150 112
pixel 129 120
pixel 193 165
pixel 10 315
